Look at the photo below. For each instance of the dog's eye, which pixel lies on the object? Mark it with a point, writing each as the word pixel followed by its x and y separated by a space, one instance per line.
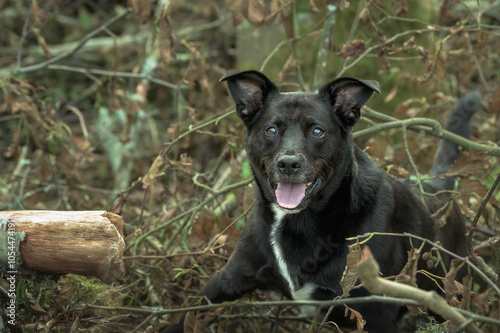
pixel 318 132
pixel 271 130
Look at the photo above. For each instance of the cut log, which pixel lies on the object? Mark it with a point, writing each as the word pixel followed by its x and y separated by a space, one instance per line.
pixel 59 242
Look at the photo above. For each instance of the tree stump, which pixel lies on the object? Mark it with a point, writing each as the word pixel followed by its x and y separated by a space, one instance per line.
pixel 59 242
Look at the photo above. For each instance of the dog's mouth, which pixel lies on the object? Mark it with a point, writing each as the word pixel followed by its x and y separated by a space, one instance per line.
pixel 290 195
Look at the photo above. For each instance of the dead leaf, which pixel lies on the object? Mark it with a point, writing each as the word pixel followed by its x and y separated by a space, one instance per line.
pixel 423 53
pixel 255 11
pixel 352 49
pixel 313 6
pixel 397 171
pixel 14 144
pixel 197 322
pixel 166 39
pixel 350 275
pixel 290 65
pixel 38 15
pixel 282 10
pixel 43 45
pixel 430 71
pixel 390 96
pixel 494 105
pixel 467 292
pixel 236 7
pixel 440 69
pixel 360 322
pixel 149 177
pixel 470 163
pixel 402 8
pixel 141 8
pixel 467 185
pixel 408 274
pixel 451 286
pixel 482 301
pixel 342 4
pixel 441 214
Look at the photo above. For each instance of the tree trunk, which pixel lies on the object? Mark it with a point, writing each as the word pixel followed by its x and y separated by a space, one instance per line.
pixel 58 242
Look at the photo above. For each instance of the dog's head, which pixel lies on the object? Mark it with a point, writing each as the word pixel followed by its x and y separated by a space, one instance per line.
pixel 298 144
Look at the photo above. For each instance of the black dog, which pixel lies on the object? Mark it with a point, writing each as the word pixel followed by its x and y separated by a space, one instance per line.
pixel 315 189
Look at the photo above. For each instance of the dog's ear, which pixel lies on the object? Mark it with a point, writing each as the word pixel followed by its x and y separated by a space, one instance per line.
pixel 347 96
pixel 249 90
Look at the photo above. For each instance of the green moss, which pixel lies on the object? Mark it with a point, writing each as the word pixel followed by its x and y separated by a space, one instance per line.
pixel 80 290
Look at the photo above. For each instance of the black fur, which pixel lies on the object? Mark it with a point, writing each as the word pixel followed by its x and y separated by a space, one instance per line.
pixel 305 138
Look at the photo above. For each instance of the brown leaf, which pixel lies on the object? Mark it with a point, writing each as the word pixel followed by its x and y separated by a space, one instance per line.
pixel 166 40
pixel 430 71
pixel 468 213
pixel 451 286
pixel 282 10
pixel 196 323
pixel 185 163
pixel 466 298
pixel 237 9
pixel 402 7
pixel 408 274
pixel 255 11
pixel 14 144
pixel 440 69
pixel 350 275
pixel 360 322
pixel 482 301
pixel 390 96
pixel 38 15
pixel 313 6
pixel 472 186
pixel 149 177
pixel 423 53
pixel 352 48
pixel 470 163
pixel 290 65
pixel 141 8
pixel 494 105
pixel 343 4
pixel 43 45
pixel 441 214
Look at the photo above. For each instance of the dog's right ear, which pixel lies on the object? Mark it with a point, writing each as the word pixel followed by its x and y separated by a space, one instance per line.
pixel 249 90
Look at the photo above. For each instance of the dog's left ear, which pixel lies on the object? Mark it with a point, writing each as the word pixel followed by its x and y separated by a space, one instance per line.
pixel 347 96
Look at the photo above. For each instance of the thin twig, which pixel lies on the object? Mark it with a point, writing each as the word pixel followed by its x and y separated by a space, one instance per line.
pixel 71 52
pixel 378 46
pixel 437 246
pixel 295 29
pixel 412 163
pixel 96 71
pixel 426 125
pixel 473 227
pixel 23 38
pixel 368 270
pixel 188 212
pixel 239 304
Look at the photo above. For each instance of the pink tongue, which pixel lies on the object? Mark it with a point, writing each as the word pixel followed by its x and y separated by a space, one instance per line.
pixel 290 195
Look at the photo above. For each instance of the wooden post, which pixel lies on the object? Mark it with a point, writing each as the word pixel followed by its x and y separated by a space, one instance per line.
pixel 59 242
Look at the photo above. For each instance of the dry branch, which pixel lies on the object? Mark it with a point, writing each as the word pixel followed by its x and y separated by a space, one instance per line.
pixel 368 271
pixel 58 242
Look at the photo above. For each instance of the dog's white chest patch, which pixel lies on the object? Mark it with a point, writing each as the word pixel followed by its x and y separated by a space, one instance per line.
pixel 277 250
pixel 305 291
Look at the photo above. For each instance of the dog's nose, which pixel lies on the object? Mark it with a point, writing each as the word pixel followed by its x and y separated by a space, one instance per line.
pixel 289 164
